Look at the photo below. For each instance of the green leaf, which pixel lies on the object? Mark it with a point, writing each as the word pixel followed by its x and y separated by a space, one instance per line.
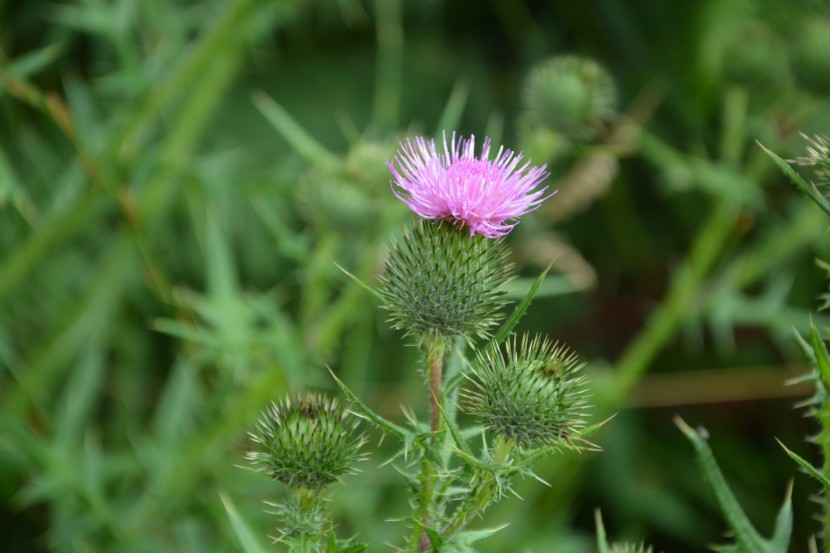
pixel 364 410
pixel 455 432
pixel 520 310
pixel 602 540
pixel 302 142
pixel 747 538
pixel 246 538
pixel 360 283
pixel 780 541
pixel 745 534
pixel 809 190
pixel 809 468
pixel 820 351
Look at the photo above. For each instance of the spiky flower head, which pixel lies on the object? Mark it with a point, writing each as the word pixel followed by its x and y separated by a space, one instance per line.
pixel 306 442
pixel 486 196
pixel 571 95
pixel 442 282
pixel 530 391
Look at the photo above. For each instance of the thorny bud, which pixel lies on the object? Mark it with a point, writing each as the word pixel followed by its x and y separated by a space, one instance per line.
pixel 571 95
pixel 530 392
pixel 307 442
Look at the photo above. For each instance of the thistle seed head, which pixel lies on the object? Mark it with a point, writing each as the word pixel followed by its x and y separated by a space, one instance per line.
pixel 529 392
pixel 305 442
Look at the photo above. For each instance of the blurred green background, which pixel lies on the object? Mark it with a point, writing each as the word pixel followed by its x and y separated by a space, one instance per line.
pixel 178 180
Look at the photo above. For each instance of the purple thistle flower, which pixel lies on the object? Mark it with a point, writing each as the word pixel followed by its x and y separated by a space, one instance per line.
pixel 483 194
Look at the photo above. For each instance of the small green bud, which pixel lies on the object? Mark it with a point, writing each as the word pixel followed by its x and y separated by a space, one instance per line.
pixel 811 62
pixel 530 392
pixel 442 282
pixel 571 95
pixel 308 442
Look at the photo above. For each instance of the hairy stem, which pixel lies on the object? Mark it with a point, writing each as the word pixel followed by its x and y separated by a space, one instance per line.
pixel 435 368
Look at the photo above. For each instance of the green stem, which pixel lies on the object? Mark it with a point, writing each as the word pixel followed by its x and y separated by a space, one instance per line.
pixel 435 370
pixel 482 495
pixel 435 367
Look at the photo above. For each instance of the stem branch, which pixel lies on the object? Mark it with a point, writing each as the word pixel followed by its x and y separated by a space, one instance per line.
pixel 481 495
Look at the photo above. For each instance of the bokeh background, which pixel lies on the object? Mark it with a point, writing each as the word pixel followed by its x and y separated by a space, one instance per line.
pixel 178 179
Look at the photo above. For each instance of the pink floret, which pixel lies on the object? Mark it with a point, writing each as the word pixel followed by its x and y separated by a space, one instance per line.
pixel 485 195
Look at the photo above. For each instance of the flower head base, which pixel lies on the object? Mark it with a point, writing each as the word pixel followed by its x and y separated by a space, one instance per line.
pixel 308 442
pixel 487 196
pixel 530 393
pixel 441 282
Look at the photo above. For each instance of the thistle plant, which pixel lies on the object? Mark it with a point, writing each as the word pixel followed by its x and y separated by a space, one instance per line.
pixel 306 443
pixel 443 287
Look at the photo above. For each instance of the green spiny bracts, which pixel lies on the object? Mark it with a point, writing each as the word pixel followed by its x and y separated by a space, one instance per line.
pixel 308 442
pixel 571 95
pixel 530 392
pixel 441 282
pixel 301 515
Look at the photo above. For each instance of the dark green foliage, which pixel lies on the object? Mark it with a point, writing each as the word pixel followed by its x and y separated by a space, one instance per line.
pixel 441 281
pixel 530 393
pixel 307 442
pixel 811 63
pixel 747 538
pixel 163 275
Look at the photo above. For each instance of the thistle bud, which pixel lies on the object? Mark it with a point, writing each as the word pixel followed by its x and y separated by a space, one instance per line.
pixel 442 282
pixel 308 442
pixel 571 95
pixel 529 393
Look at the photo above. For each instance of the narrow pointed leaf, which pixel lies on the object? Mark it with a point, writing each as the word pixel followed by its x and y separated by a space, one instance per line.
pixel 360 283
pixel 520 310
pixel 240 529
pixel 809 468
pixel 809 190
pixel 455 432
pixel 745 534
pixel 820 351
pixel 602 540
pixel 302 142
pixel 381 422
pixel 780 541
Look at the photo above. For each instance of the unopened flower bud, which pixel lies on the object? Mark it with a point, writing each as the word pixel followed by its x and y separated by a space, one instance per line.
pixel 530 392
pixel 307 442
pixel 571 95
